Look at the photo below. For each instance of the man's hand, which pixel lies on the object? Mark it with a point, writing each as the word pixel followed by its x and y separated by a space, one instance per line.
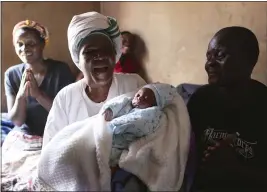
pixel 224 144
pixel 221 157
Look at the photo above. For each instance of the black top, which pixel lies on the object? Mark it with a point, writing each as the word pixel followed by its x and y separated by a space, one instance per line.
pixel 58 76
pixel 214 115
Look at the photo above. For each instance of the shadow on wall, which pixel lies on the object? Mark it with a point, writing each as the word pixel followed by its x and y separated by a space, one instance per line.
pixel 141 54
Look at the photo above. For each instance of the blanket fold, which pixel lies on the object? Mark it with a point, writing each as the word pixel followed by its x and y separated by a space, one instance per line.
pixel 77 158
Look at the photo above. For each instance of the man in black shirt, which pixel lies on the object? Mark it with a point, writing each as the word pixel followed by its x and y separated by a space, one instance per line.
pixel 229 116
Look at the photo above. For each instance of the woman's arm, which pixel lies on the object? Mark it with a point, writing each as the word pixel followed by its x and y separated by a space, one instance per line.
pixel 16 103
pixel 44 100
pixel 39 95
pixel 16 109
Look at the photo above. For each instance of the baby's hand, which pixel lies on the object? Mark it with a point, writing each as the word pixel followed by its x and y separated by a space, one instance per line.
pixel 108 114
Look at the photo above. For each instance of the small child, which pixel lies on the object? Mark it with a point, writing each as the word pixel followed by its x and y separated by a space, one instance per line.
pixel 130 119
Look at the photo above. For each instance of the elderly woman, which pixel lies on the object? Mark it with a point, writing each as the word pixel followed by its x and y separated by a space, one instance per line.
pixel 95 46
pixel 229 116
pixel 30 88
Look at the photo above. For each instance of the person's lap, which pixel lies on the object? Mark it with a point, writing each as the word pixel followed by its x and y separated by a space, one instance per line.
pixel 28 149
pixel 20 155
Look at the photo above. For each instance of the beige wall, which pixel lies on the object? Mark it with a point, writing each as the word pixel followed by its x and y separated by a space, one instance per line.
pixel 177 33
pixel 55 15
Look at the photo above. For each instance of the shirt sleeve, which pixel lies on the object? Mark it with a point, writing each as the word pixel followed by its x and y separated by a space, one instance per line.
pixel 57 117
pixel 9 90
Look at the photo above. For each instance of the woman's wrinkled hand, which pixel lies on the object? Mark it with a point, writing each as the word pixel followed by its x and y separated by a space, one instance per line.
pixel 108 114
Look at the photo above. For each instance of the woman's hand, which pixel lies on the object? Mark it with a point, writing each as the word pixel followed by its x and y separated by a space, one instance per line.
pixel 24 86
pixel 33 86
pixel 34 91
pixel 108 114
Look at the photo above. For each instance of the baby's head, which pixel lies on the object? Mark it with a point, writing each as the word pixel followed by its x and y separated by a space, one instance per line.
pixel 156 94
pixel 144 98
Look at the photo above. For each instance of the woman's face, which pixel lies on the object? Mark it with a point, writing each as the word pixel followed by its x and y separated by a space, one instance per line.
pixel 225 63
pixel 28 46
pixel 97 60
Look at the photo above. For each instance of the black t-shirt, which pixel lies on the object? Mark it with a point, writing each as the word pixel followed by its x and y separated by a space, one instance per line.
pixel 58 76
pixel 214 115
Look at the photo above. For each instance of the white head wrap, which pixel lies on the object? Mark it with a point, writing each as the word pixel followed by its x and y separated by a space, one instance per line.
pixel 81 26
pixel 164 93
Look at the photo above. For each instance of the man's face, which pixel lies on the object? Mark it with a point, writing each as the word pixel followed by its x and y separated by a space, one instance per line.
pixel 225 62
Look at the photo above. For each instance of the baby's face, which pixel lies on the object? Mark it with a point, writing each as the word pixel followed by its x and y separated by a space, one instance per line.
pixel 144 98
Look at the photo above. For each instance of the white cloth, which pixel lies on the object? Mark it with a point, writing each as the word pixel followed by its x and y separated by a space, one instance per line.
pixel 81 162
pixel 129 124
pixel 159 160
pixel 72 104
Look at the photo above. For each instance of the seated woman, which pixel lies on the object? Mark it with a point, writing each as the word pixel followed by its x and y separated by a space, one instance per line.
pixel 127 62
pixel 228 116
pixel 30 88
pixel 95 53
pixel 150 142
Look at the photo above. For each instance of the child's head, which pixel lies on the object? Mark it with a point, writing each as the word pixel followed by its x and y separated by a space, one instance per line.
pixel 127 42
pixel 144 98
pixel 157 94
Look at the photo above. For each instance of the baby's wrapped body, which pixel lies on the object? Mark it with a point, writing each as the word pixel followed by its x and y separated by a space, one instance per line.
pixel 136 123
pixel 132 118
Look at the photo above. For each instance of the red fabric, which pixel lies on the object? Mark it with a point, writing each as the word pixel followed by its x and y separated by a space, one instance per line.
pixel 129 66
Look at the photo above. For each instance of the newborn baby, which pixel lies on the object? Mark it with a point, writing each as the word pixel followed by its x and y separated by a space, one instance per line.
pixel 132 118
